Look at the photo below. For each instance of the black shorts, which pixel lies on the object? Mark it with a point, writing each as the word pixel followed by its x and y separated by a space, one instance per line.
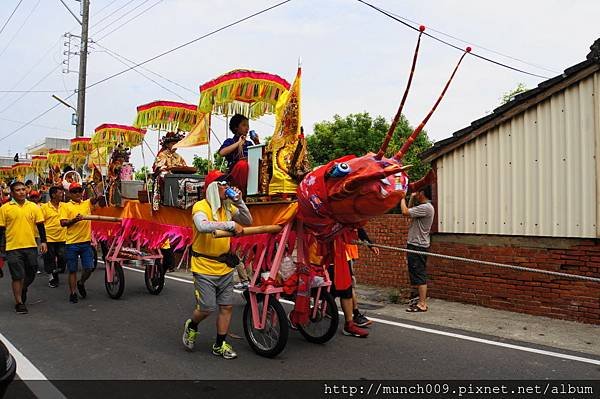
pixel 417 265
pixel 343 294
pixel 54 259
pixel 22 263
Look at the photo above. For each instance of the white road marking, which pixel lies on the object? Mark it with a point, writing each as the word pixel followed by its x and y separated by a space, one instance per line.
pixel 35 380
pixel 443 333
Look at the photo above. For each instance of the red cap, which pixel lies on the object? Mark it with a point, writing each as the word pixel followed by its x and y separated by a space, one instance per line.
pixel 74 185
pixel 213 176
pixel 34 193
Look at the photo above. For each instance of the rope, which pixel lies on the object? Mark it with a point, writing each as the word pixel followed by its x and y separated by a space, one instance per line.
pixel 482 262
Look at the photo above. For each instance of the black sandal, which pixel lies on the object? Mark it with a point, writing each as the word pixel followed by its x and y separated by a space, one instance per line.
pixel 417 309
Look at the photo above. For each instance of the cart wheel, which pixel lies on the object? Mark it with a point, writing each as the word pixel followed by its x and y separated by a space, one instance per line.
pixel 154 277
pixel 116 288
pixel 271 340
pixel 324 325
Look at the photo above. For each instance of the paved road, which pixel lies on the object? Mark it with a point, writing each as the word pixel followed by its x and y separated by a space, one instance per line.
pixel 139 337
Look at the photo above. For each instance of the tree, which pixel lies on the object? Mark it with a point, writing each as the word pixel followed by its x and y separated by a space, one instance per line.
pixel 201 164
pixel 204 166
pixel 142 173
pixel 358 134
pixel 510 95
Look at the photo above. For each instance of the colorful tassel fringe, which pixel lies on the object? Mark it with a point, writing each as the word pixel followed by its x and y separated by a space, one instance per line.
pixel 167 116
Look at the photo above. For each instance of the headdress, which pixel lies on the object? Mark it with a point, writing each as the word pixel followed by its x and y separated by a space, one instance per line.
pixel 120 152
pixel 171 137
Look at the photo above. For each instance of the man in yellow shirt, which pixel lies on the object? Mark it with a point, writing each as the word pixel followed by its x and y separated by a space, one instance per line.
pixel 213 278
pixel 19 219
pixel 78 240
pixel 54 259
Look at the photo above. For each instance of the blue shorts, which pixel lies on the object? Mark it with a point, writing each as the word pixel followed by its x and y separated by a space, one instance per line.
pixel 74 251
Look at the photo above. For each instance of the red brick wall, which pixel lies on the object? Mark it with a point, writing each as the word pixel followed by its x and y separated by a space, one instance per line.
pixel 494 287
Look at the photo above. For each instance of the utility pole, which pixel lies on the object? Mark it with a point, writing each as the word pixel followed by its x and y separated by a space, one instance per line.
pixel 85 4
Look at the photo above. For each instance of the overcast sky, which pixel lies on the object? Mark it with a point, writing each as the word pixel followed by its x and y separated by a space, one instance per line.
pixel 354 59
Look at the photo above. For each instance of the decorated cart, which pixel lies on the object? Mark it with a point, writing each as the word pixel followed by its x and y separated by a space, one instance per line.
pixel 140 232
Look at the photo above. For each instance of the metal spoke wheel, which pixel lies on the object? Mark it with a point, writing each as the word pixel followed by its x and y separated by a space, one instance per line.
pixel 323 323
pixel 154 277
pixel 117 286
pixel 271 340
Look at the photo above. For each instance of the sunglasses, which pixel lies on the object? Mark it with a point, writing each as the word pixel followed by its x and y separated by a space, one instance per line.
pixel 222 183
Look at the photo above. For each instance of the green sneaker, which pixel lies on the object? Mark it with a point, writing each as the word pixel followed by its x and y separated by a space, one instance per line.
pixel 225 350
pixel 189 335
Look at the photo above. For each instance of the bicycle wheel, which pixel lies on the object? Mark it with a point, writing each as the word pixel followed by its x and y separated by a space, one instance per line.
pixel 117 286
pixel 270 341
pixel 323 326
pixel 154 277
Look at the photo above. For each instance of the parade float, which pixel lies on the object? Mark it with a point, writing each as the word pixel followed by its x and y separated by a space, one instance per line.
pixel 302 218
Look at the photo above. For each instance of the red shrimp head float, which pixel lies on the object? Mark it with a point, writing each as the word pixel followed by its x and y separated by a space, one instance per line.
pixel 350 190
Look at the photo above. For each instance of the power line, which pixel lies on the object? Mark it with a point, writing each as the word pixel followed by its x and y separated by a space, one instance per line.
pixel 167 79
pixel 147 61
pixel 113 13
pixel 121 17
pixel 36 91
pixel 147 77
pixel 188 43
pixel 20 27
pixel 38 62
pixel 105 7
pixel 10 17
pixel 476 45
pixel 32 124
pixel 388 14
pixel 129 20
pixel 33 120
pixel 148 70
pixel 29 91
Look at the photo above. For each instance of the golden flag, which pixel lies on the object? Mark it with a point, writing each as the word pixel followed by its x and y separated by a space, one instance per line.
pixel 198 135
pixel 286 138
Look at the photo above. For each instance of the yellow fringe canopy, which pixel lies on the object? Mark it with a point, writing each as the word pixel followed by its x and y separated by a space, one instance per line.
pixel 111 135
pixel 21 169
pixel 59 158
pixel 241 91
pixel 81 146
pixel 80 149
pixel 98 157
pixel 5 172
pixel 167 115
pixel 39 163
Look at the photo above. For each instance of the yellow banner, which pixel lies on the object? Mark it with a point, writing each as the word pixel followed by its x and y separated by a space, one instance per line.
pixel 198 135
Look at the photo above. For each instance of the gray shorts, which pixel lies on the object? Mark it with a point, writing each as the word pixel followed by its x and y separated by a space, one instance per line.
pixel 211 291
pixel 22 263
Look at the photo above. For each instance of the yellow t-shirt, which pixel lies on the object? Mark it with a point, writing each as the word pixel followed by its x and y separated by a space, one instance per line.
pixel 82 230
pixel 54 231
pixel 20 222
pixel 208 245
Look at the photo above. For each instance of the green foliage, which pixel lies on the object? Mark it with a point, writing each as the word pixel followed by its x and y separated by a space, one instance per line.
pixel 201 164
pixel 358 134
pixel 142 173
pixel 510 95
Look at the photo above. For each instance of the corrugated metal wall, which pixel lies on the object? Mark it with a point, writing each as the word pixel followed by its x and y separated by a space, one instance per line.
pixel 534 175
